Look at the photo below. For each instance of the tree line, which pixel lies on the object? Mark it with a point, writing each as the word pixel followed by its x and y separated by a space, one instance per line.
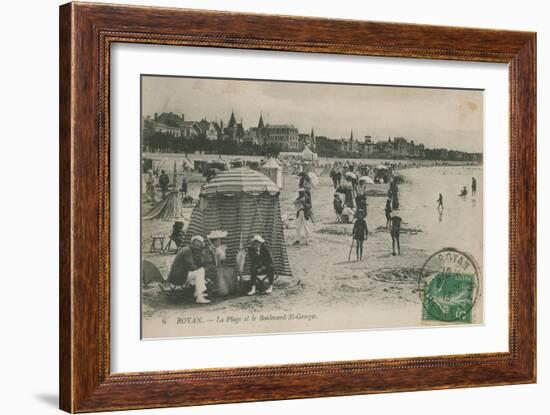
pixel 155 142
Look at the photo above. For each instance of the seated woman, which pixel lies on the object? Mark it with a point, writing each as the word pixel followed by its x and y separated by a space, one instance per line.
pixel 224 278
pixel 261 264
pixel 188 269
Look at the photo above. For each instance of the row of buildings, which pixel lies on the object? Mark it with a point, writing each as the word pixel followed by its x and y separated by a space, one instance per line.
pixel 286 137
pixel 398 147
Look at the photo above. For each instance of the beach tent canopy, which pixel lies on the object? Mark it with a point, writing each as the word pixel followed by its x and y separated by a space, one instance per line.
pixel 239 180
pixel 272 164
pixel 186 163
pixel 168 209
pixel 243 203
pixel 275 172
pixel 307 154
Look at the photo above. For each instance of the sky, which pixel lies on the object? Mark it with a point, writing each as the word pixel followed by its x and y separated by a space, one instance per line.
pixel 435 117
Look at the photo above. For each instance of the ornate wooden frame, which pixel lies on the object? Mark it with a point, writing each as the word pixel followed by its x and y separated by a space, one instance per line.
pixel 86 33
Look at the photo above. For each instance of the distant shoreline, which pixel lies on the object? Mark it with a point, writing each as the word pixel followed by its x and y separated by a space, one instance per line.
pixel 405 163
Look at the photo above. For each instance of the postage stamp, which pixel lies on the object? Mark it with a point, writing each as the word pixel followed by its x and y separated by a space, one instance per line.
pixel 449 286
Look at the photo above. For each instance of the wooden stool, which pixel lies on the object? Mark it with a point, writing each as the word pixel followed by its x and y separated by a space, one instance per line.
pixel 160 239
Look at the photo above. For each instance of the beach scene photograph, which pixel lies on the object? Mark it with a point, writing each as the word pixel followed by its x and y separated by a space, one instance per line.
pixel 274 206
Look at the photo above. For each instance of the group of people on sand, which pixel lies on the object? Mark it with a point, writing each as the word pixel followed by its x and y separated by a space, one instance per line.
pixel 349 212
pixel 360 230
pixel 200 266
pixel 163 184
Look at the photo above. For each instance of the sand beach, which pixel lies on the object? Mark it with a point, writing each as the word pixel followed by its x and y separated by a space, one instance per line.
pixel 326 291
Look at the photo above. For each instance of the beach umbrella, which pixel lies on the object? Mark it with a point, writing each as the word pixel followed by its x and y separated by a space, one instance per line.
pixel 240 180
pixel 366 179
pixel 313 177
pixel 351 175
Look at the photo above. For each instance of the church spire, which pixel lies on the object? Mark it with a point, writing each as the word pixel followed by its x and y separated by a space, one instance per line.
pixel 312 134
pixel 351 135
pixel 232 120
pixel 261 121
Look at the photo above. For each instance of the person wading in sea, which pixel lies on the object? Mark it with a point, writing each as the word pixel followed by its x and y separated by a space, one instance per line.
pixel 440 202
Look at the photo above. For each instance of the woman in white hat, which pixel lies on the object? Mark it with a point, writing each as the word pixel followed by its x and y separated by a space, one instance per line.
pixel 224 278
pixel 217 248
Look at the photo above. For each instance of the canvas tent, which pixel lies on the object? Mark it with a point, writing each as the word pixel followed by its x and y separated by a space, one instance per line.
pixel 168 209
pixel 244 203
pixel 275 172
pixel 187 164
pixel 309 155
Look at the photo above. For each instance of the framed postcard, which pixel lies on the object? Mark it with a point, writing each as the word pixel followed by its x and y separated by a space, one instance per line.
pixel 261 207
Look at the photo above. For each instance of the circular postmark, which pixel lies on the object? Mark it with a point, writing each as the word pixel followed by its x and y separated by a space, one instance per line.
pixel 449 286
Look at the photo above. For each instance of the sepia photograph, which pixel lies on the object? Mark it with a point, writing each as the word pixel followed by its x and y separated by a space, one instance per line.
pixel 276 206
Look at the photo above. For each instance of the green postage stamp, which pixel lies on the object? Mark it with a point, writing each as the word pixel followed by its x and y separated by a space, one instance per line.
pixel 449 287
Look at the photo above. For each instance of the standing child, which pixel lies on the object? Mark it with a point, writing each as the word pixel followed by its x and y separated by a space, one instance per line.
pixel 395 231
pixel 360 233
pixel 303 216
pixel 387 211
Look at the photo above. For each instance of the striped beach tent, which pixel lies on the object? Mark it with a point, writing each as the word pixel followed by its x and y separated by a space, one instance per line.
pixel 237 181
pixel 168 209
pixel 244 203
